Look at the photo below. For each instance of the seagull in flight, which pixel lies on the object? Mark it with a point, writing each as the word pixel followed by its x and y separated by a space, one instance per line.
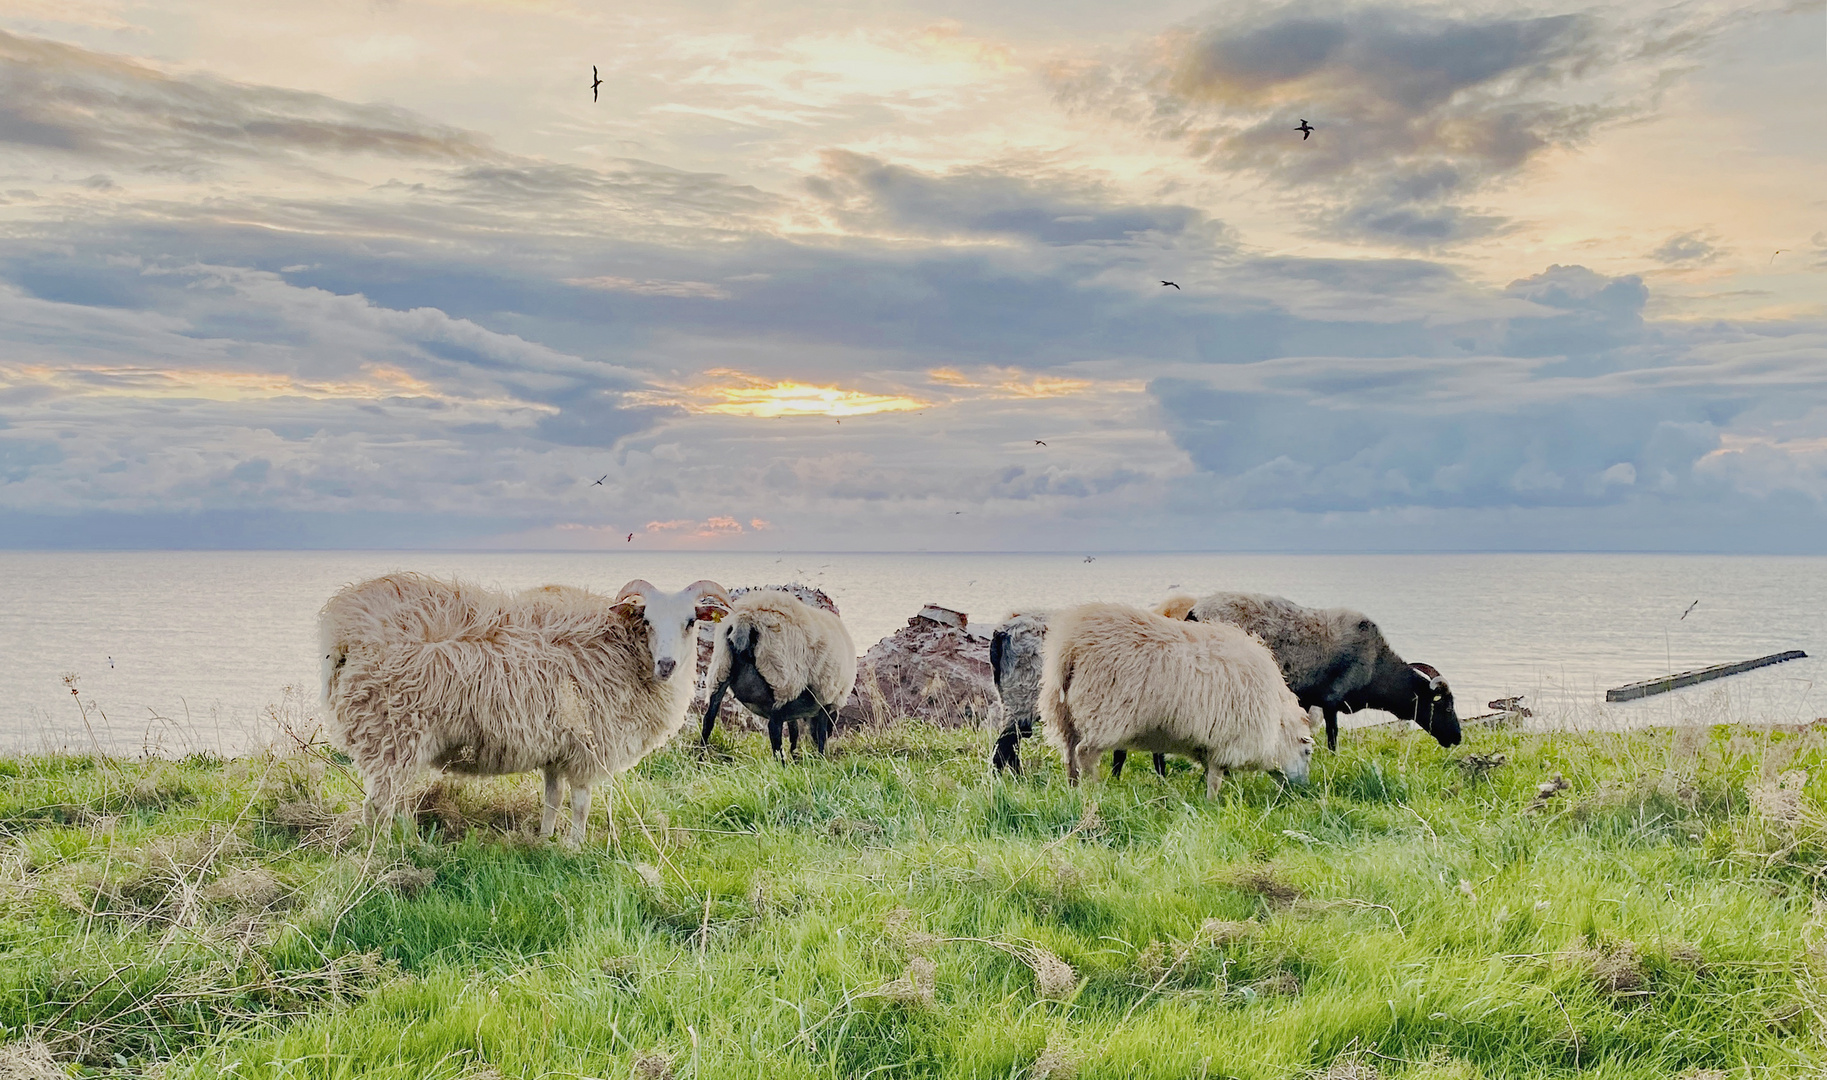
pixel 1174 284
pixel 110 662
pixel 1091 558
pixel 1305 129
pixel 631 538
pixel 1040 442
pixel 1775 253
pixel 600 479
pixel 1690 608
pixel 595 81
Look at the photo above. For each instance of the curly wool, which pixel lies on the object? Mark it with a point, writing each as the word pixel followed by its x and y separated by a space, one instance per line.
pixel 798 647
pixel 424 673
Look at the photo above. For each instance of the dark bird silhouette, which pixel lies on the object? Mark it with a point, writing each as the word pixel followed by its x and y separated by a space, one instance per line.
pixel 1690 608
pixel 1091 558
pixel 1040 442
pixel 1775 253
pixel 110 661
pixel 600 479
pixel 631 538
pixel 595 81
pixel 1175 285
pixel 1305 129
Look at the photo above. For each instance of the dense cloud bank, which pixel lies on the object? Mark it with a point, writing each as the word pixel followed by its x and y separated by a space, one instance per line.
pixel 235 315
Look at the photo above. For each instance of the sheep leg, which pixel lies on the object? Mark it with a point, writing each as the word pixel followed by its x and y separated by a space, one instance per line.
pixel 1332 726
pixel 1161 766
pixel 548 817
pixel 1071 756
pixel 580 814
pixel 1006 756
pixel 822 722
pixel 710 714
pixel 1214 776
pixel 793 735
pixel 774 723
pixel 1117 758
pixel 1087 760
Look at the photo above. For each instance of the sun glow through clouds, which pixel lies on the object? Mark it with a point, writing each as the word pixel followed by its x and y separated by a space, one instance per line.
pixel 747 395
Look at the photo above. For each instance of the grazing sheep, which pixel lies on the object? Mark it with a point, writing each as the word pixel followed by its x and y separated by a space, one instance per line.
pixel 1015 664
pixel 423 673
pixel 1333 658
pixel 786 660
pixel 1116 676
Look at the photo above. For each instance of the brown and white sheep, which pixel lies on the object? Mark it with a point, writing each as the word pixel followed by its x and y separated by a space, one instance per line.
pixel 786 660
pixel 1117 676
pixel 422 673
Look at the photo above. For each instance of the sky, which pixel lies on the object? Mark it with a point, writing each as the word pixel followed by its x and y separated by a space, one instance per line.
pixel 888 275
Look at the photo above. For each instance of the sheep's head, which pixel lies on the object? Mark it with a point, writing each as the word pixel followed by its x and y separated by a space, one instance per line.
pixel 671 619
pixel 1296 747
pixel 1434 709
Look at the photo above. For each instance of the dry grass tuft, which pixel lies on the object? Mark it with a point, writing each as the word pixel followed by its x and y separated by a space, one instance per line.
pixel 1613 968
pixel 29 1059
pixel 1350 1067
pixel 250 888
pixel 313 823
pixel 1054 979
pixel 653 1065
pixel 1057 1062
pixel 1262 880
pixel 408 880
pixel 1282 984
pixel 1778 799
pixel 1220 932
pixel 917 987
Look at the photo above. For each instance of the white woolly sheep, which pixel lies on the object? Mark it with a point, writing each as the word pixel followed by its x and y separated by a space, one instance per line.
pixel 423 673
pixel 786 660
pixel 1333 659
pixel 1015 664
pixel 1117 676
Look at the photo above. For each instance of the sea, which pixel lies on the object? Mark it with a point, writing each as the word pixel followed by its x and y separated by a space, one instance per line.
pixel 171 653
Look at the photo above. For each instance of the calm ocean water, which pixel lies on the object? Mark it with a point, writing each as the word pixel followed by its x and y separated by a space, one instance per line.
pixel 182 651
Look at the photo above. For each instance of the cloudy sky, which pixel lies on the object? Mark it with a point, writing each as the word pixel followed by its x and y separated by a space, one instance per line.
pixel 826 276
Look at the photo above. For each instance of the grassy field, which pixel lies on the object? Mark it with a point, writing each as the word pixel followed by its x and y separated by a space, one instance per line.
pixel 894 912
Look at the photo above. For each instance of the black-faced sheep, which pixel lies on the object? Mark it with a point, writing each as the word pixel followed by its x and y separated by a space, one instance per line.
pixel 1116 676
pixel 423 673
pixel 786 661
pixel 1015 664
pixel 1333 659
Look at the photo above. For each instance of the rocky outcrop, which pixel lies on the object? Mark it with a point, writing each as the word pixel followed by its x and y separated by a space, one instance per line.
pixel 732 713
pixel 933 668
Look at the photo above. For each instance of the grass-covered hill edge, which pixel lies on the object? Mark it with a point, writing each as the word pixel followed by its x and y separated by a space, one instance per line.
pixel 895 911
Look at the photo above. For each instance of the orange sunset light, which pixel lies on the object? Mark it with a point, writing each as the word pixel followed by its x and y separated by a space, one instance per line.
pixel 750 396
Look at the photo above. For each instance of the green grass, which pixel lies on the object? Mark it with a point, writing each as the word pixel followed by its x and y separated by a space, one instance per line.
pixel 896 912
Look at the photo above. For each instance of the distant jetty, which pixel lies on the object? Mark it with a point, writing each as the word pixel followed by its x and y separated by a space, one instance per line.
pixel 1663 685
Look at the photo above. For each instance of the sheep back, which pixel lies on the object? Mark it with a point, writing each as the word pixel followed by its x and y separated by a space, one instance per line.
pixel 1116 676
pixel 422 672
pixel 797 646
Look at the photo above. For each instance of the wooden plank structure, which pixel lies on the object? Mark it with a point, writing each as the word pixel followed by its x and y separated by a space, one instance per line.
pixel 1663 685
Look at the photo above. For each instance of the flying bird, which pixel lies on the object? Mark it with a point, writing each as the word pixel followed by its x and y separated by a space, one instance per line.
pixel 631 538
pixel 1775 253
pixel 1091 558
pixel 1690 608
pixel 1305 129
pixel 111 661
pixel 1173 284
pixel 600 479
pixel 1040 442
pixel 595 81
